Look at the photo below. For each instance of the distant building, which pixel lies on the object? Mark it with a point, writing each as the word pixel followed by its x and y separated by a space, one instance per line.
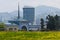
pixel 11 27
pixel 34 28
pixel 29 14
pixel 25 23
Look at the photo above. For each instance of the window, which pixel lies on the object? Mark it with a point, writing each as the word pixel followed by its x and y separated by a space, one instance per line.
pixel 10 29
pixel 15 28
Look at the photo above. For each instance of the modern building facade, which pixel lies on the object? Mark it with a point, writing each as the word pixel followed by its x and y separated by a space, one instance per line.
pixel 29 14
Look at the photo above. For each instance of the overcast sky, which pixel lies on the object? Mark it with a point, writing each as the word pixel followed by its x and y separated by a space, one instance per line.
pixel 11 5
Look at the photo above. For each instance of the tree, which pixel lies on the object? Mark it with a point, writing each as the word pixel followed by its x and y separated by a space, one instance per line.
pixel 2 25
pixel 50 23
pixel 56 21
pixel 42 23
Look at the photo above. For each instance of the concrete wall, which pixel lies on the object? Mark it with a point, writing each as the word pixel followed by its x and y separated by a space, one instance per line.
pixel 13 29
pixel 34 27
pixel 7 27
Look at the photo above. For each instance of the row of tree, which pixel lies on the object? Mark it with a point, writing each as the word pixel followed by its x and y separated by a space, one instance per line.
pixel 52 22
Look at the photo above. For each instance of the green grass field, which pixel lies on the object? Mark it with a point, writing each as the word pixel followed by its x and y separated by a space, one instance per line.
pixel 22 35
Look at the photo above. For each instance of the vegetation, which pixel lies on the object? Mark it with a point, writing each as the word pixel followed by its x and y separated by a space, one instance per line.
pixel 57 22
pixel 2 25
pixel 53 22
pixel 30 35
pixel 50 23
pixel 42 23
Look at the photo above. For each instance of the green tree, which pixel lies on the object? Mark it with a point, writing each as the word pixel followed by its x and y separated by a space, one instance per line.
pixel 50 23
pixel 56 22
pixel 42 23
pixel 2 25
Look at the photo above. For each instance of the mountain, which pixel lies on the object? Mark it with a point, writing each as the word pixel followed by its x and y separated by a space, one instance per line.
pixel 15 13
pixel 5 16
pixel 43 11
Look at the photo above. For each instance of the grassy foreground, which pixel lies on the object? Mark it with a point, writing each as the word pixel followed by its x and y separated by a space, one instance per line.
pixel 29 35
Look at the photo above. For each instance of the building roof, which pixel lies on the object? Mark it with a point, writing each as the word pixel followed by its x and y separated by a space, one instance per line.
pixel 28 7
pixel 20 20
pixel 11 25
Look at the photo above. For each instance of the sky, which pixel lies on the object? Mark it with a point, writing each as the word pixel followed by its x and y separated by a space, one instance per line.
pixel 11 5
